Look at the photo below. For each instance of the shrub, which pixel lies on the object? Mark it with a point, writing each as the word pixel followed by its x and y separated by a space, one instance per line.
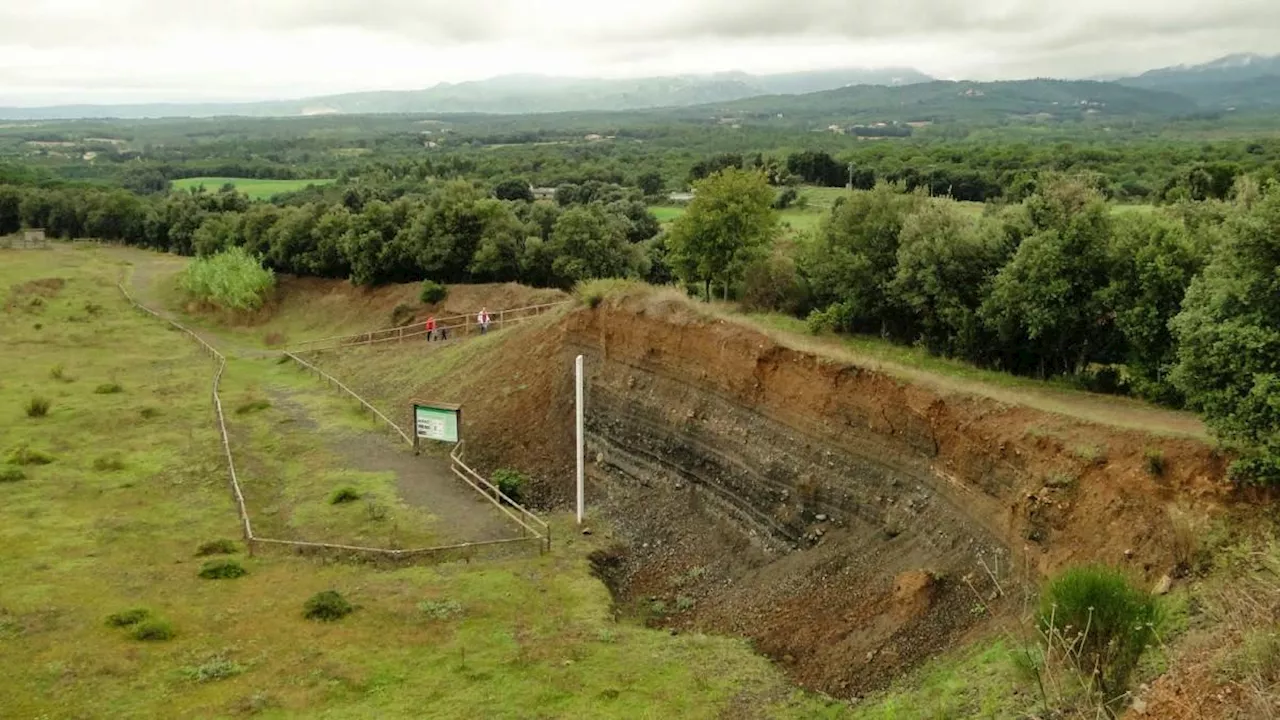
pixel 27 455
pixel 402 315
pixel 344 495
pixel 327 606
pixel 217 547
pixel 38 407
pixel 440 609
pixel 785 198
pixel 110 388
pixel 133 616
pixel 225 569
pixel 233 279
pixel 510 482
pixel 1155 462
pixel 153 631
pixel 1101 622
pixel 215 668
pixel 11 474
pixel 111 462
pixel 773 284
pixel 433 292
pixel 149 412
pixel 375 510
pixel 57 372
pixel 250 406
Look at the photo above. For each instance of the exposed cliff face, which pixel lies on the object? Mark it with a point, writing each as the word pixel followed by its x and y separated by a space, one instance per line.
pixel 850 523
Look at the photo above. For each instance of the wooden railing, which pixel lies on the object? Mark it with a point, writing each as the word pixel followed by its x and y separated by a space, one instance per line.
pixel 451 326
pixel 515 511
pixel 475 480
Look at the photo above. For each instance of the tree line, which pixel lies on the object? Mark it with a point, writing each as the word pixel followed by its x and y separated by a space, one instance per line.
pixel 455 231
pixel 1180 306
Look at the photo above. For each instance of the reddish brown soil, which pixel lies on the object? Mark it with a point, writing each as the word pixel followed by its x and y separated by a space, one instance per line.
pixel 849 522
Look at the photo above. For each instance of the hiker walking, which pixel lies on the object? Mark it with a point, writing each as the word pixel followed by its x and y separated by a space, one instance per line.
pixel 483 320
pixel 431 328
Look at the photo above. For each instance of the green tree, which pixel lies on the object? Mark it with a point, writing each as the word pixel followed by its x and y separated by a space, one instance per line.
pixel 590 243
pixel 513 189
pixel 1228 335
pixel 854 258
pixel 651 184
pixel 1152 261
pixel 945 267
pixel 10 209
pixel 1045 304
pixel 728 223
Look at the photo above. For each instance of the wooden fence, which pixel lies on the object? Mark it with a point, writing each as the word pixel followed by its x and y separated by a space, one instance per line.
pixel 254 542
pixel 25 240
pixel 452 326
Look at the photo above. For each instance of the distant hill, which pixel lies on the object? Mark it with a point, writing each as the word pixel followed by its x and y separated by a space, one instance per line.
pixel 946 101
pixel 1242 81
pixel 511 94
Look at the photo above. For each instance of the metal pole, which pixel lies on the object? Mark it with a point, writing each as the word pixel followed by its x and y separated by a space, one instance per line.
pixel 578 406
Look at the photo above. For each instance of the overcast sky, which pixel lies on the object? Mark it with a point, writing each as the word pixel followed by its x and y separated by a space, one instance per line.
pixel 59 51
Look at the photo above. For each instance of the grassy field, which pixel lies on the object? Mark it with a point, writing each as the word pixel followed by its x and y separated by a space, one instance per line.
pixel 108 496
pixel 254 188
pixel 818 202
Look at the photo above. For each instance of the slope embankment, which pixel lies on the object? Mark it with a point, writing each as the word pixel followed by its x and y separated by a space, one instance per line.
pixel 851 522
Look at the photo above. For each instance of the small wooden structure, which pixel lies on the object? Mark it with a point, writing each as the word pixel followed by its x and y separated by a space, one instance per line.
pixel 30 239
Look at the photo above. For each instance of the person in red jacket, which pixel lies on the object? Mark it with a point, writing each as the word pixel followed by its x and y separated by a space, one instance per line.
pixel 431 328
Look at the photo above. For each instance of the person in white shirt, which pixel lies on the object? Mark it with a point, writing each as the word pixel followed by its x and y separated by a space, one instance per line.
pixel 483 320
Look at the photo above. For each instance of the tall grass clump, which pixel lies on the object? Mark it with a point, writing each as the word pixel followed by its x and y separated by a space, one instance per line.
pixel 233 279
pixel 37 407
pixel 1093 619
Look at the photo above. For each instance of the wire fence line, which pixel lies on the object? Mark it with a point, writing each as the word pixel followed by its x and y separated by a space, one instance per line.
pixel 342 386
pixel 245 525
pixel 514 510
pixel 453 324
pixel 436 552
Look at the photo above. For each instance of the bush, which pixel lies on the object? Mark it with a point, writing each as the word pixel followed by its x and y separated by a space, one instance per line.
pixel 153 631
pixel 27 455
pixel 225 569
pixel 111 462
pixel 11 474
pixel 215 668
pixel 785 198
pixel 252 406
pixel 376 511
pixel 327 606
pixel 233 279
pixel 1101 621
pixel 510 482
pixel 403 315
pixel 59 373
pixel 217 547
pixel 772 284
pixel 433 292
pixel 110 388
pixel 38 407
pixel 129 617
pixel 440 609
pixel 344 495
pixel 149 412
pixel 1155 462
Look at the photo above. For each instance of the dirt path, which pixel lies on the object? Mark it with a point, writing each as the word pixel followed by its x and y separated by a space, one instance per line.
pixel 424 481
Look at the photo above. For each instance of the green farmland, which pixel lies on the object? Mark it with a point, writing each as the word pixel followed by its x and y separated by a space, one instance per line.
pixel 256 189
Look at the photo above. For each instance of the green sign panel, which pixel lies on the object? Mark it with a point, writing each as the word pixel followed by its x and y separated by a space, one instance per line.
pixel 436 422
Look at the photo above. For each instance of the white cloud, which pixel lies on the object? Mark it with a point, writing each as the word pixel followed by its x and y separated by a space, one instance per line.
pixel 54 51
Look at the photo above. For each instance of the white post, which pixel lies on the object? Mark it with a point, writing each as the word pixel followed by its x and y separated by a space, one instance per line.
pixel 578 406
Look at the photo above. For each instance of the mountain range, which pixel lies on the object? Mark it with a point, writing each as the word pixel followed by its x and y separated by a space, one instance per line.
pixel 1234 82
